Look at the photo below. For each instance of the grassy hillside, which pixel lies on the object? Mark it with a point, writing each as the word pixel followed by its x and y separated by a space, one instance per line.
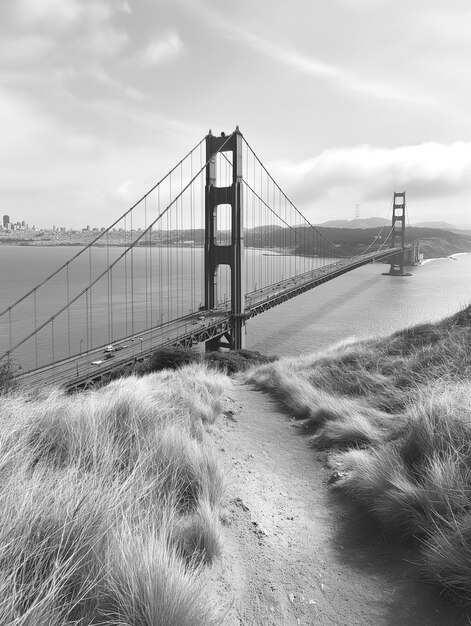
pixel 109 503
pixel 396 412
pixel 434 242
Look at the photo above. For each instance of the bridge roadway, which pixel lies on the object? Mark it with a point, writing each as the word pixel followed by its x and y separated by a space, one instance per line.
pixel 82 370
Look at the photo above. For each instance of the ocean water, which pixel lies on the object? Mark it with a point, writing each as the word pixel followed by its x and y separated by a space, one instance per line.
pixel 360 303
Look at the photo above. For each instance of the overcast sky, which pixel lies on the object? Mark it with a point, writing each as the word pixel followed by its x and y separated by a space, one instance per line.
pixel 345 101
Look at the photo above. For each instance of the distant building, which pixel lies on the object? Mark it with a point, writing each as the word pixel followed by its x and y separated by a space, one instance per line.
pixel 6 221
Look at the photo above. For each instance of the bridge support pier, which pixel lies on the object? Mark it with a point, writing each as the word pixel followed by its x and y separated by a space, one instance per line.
pixel 397 262
pixel 233 253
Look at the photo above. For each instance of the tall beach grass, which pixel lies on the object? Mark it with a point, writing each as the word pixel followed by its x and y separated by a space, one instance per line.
pixel 398 411
pixel 109 503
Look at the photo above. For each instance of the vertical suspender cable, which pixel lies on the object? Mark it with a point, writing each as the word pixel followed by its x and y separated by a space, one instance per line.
pixel 202 203
pixel 169 255
pixel 35 326
pixel 151 279
pixel 86 320
pixel 9 329
pixel 192 237
pixel 146 245
pixel 182 250
pixel 108 286
pixel 68 312
pixel 126 277
pixel 161 313
pixel 91 304
pixel 111 305
pixel 132 276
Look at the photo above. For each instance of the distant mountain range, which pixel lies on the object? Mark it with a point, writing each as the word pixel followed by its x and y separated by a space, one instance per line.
pixel 369 222
pixel 439 225
pixel 353 239
pixel 377 222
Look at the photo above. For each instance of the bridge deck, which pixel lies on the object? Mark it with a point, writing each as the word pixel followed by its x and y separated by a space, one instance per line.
pixel 84 369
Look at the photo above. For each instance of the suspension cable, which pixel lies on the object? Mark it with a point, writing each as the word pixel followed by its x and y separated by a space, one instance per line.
pixel 278 216
pixel 103 233
pixel 108 269
pixel 286 198
pixel 298 211
pixel 379 234
pixel 290 201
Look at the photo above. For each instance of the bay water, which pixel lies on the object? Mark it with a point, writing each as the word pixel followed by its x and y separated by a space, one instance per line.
pixel 361 303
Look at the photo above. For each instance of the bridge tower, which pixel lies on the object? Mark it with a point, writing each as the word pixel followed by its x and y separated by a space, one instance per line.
pixel 233 253
pixel 398 236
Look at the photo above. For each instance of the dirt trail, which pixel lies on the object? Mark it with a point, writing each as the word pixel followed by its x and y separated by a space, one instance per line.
pixel 294 553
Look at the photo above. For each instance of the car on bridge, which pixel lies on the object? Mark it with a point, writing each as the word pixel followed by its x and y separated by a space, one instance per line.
pixel 112 348
pixel 106 357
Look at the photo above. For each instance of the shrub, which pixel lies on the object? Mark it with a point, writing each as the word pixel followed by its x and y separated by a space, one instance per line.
pixel 171 358
pixel 235 361
pixel 7 382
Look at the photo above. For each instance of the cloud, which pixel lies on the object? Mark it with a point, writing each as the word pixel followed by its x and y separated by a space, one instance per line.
pixel 68 14
pixel 125 8
pixel 340 77
pixel 124 188
pixel 107 40
pixel 162 50
pixel 428 170
pixel 57 11
pixel 24 49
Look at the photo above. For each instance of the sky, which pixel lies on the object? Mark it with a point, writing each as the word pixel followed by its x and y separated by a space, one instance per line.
pixel 345 102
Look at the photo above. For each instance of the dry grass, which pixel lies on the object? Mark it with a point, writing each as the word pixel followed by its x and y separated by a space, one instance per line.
pixel 401 405
pixel 110 503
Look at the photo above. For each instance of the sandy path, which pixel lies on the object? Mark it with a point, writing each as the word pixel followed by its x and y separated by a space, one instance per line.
pixel 293 552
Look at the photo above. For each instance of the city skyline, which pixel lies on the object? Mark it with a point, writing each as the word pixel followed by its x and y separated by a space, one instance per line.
pixel 345 102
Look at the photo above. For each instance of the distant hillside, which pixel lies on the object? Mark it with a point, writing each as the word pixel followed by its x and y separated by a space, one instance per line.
pixel 266 228
pixel 439 225
pixel 434 242
pixel 368 222
pixel 439 243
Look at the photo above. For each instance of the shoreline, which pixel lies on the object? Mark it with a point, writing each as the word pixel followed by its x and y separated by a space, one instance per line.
pixel 451 256
pixel 265 251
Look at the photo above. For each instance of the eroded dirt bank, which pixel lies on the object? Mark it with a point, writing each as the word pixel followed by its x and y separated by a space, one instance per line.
pixel 294 553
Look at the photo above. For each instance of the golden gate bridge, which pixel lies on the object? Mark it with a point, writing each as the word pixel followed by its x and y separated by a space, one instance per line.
pixel 215 242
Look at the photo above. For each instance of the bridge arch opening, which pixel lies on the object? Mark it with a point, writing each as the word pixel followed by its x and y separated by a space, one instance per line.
pixel 223 285
pixel 224 169
pixel 223 229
